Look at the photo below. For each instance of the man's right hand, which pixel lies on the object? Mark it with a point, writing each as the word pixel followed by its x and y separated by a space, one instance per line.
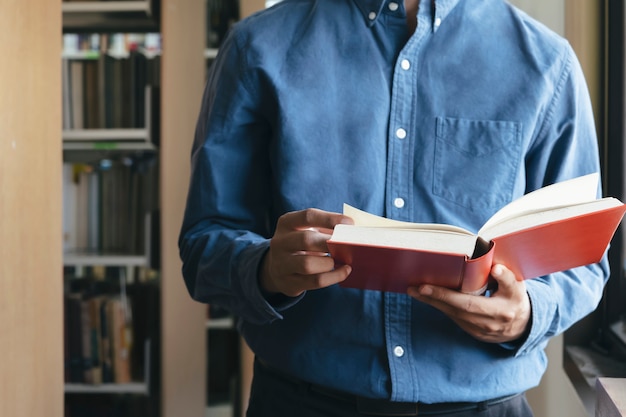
pixel 297 259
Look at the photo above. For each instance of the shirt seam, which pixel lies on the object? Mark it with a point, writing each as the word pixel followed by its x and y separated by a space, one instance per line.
pixel 242 58
pixel 566 69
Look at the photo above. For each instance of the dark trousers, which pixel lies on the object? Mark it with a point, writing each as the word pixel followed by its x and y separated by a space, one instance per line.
pixel 275 394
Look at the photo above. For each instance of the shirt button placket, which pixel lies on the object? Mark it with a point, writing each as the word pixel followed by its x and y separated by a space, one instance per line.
pixel 401 134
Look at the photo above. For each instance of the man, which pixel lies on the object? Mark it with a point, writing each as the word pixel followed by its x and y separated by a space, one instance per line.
pixel 424 111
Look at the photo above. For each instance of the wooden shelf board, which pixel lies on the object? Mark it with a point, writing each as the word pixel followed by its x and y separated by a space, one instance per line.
pixel 107 7
pixel 103 259
pixel 129 388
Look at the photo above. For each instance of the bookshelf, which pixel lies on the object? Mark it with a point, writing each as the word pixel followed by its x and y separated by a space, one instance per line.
pixel 110 190
pixel 144 150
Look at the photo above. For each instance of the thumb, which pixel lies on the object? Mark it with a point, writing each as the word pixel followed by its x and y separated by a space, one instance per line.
pixel 504 277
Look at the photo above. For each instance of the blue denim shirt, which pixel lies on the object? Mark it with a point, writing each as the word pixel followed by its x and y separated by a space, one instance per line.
pixel 313 103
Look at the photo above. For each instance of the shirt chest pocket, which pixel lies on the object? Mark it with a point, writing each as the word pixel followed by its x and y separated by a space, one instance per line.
pixel 476 162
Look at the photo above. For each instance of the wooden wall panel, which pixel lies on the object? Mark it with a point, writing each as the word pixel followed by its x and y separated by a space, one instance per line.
pixel 247 7
pixel 31 331
pixel 584 31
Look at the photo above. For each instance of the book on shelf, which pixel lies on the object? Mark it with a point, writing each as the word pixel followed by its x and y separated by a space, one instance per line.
pixel 555 228
pixel 76 95
pixel 83 353
pixel 74 362
pixel 105 342
pixel 94 345
pixel 86 352
pixel 121 339
pixel 81 207
pixel 66 102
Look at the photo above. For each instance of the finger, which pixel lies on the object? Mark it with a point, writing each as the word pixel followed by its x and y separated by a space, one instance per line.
pixel 312 218
pixel 329 278
pixel 297 284
pixel 447 299
pixel 301 241
pixel 309 263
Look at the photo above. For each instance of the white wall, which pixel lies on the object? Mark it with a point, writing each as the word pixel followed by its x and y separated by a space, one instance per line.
pixel 556 396
pixel 549 12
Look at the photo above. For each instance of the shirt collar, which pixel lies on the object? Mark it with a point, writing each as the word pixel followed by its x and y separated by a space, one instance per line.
pixel 436 9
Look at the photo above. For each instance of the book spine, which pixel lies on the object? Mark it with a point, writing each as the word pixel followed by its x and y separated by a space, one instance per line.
pixel 476 272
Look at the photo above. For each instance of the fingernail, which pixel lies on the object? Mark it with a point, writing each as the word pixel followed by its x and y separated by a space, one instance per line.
pixel 497 270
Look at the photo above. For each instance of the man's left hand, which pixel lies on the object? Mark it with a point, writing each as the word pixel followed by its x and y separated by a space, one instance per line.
pixel 502 317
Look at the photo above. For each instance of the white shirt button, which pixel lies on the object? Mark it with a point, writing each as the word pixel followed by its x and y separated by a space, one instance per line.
pixel 437 22
pixel 398 351
pixel 393 6
pixel 401 133
pixel 398 202
pixel 405 64
pixel 372 15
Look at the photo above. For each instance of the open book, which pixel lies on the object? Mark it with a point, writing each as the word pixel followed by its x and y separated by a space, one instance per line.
pixel 555 228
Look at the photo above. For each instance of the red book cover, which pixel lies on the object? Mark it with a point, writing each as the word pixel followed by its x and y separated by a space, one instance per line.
pixel 559 245
pixel 395 269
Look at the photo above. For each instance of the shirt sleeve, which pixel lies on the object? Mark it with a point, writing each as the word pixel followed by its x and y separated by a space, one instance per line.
pixel 565 147
pixel 227 226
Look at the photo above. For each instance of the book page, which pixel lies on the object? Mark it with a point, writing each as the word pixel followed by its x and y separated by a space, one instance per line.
pixel 538 217
pixel 363 218
pixel 575 191
pixel 416 239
